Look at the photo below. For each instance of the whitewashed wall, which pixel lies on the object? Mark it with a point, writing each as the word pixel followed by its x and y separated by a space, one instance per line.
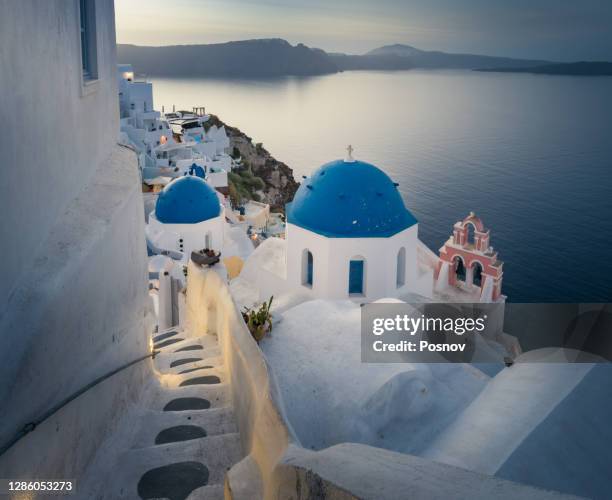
pixel 73 289
pixel 166 236
pixel 56 137
pixel 141 96
pixel 331 257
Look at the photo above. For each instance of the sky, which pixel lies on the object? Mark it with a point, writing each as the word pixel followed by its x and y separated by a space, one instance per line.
pixel 561 30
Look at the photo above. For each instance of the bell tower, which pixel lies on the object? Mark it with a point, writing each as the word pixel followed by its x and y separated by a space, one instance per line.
pixel 469 262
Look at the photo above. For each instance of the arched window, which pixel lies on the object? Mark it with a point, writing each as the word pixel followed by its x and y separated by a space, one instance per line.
pixel 470 237
pixel 401 268
pixel 459 268
pixel 307 268
pixel 477 274
pixel 356 276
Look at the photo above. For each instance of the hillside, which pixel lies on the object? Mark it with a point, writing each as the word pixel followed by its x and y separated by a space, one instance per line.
pixel 276 57
pixel 260 172
pixel 249 58
pixel 345 62
pixel 435 59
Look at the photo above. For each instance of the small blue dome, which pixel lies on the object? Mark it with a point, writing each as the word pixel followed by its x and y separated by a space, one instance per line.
pixel 187 200
pixel 349 200
pixel 197 171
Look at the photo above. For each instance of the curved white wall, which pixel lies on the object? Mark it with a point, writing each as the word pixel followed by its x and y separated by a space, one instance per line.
pixel 73 286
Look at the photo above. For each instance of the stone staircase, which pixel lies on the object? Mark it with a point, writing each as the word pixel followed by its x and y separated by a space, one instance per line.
pixel 181 438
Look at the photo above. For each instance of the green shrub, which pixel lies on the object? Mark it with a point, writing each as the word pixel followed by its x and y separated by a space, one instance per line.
pixel 243 185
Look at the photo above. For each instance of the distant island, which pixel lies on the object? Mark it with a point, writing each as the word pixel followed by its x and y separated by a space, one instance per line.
pixel 397 55
pixel 577 69
pixel 277 57
pixel 249 58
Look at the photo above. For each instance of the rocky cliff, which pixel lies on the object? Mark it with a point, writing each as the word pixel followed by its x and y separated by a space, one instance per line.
pixel 279 185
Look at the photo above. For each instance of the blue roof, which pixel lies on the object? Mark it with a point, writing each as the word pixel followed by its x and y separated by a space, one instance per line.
pixel 349 200
pixel 187 200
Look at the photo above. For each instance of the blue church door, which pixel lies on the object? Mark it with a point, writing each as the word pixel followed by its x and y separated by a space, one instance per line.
pixel 309 269
pixel 356 277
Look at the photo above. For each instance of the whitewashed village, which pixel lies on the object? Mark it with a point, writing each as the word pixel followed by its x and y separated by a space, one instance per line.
pixel 172 336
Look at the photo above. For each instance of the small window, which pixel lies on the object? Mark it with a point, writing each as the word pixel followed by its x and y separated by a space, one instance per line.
pixel 356 273
pixel 89 58
pixel 401 268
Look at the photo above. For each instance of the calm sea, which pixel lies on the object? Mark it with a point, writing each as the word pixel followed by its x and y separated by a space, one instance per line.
pixel 530 154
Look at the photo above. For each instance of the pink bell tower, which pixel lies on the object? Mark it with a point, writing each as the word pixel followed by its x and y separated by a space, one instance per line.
pixel 468 261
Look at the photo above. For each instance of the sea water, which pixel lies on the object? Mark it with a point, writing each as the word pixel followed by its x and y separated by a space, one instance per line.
pixel 530 154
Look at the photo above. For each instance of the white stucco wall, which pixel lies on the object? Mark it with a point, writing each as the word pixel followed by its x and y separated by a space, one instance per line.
pixel 331 257
pixel 73 292
pixel 167 236
pixel 141 96
pixel 217 179
pixel 79 312
pixel 57 137
pixel 208 148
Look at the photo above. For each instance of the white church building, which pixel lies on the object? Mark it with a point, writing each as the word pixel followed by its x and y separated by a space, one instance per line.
pixel 188 216
pixel 348 236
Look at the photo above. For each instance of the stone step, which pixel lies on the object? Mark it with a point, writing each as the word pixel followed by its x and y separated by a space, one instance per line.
pixel 215 421
pixel 210 375
pixel 199 366
pixel 182 341
pixel 172 330
pixel 159 337
pixel 168 361
pixel 179 440
pixel 161 468
pixel 211 361
pixel 211 492
pixel 218 395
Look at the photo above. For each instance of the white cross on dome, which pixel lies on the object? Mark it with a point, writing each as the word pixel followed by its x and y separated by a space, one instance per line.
pixel 349 156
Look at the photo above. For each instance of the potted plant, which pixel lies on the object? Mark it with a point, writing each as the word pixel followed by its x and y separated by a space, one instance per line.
pixel 259 321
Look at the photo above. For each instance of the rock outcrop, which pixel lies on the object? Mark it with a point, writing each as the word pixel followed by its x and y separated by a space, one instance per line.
pixel 280 185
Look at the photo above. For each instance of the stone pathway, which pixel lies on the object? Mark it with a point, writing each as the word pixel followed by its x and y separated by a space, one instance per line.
pixel 181 438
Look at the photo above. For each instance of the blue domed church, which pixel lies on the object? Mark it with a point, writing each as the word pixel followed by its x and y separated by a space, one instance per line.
pixel 349 235
pixel 188 216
